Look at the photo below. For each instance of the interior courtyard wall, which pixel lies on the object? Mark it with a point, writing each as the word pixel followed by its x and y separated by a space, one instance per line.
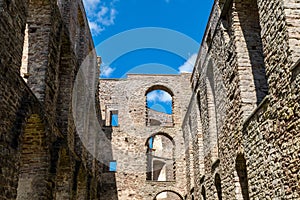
pixel 128 97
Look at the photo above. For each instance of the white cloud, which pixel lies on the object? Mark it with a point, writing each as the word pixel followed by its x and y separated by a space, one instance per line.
pixel 188 66
pixel 106 71
pixel 90 4
pixel 95 28
pixel 159 96
pixel 100 15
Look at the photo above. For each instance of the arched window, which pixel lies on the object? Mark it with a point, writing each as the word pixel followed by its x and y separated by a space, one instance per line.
pixel 241 169
pixel 203 193
pixel 159 106
pixel 165 195
pixel 212 116
pixel 192 194
pixel 251 69
pixel 218 186
pixel 160 159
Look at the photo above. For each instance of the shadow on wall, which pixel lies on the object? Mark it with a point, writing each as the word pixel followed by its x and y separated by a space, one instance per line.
pixel 241 169
pixel 249 21
pixel 108 190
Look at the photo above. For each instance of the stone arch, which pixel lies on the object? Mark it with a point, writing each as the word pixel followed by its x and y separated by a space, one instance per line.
pixel 161 133
pixel 211 109
pixel 159 87
pixel 170 197
pixel 160 157
pixel 34 175
pixel 157 118
pixel 241 169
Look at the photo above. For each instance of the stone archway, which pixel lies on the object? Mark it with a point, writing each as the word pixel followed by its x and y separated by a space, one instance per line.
pixel 168 195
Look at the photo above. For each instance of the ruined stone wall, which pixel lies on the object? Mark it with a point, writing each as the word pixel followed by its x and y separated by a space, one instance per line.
pixel 161 118
pixel 193 137
pixel 275 125
pixel 246 77
pixel 129 138
pixel 39 158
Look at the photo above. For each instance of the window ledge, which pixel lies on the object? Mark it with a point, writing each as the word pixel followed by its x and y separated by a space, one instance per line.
pixel 258 108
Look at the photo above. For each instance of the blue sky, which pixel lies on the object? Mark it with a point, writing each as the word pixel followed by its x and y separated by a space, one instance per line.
pixel 147 36
pixel 107 19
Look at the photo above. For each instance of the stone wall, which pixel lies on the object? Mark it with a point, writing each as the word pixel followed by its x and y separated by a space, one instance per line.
pixel 246 81
pixel 39 60
pixel 129 139
pixel 235 122
pixel 158 118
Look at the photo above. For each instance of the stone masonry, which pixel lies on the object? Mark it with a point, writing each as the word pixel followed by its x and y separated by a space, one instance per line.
pixel 129 138
pixel 234 131
pixel 43 44
pixel 242 125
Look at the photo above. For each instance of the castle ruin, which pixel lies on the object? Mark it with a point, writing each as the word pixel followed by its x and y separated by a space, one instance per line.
pixel 234 130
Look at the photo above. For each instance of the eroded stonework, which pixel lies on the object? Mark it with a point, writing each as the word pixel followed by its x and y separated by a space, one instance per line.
pixel 234 131
pixel 242 125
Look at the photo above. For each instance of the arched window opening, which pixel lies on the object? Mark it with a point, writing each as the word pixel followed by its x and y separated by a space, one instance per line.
pixel 168 195
pixel 218 186
pixel 192 193
pixel 212 116
pixel 241 169
pixel 253 80
pixel 160 159
pixel 203 193
pixel 159 107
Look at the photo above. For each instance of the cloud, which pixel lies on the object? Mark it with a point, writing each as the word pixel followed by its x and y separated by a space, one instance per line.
pixel 95 28
pixel 159 96
pixel 100 14
pixel 188 66
pixel 106 71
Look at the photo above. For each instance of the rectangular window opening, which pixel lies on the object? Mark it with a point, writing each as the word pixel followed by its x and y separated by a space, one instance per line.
pixel 114 118
pixel 113 166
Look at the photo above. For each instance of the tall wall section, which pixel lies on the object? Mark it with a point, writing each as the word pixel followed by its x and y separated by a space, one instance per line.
pixel 43 44
pixel 130 139
pixel 246 84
